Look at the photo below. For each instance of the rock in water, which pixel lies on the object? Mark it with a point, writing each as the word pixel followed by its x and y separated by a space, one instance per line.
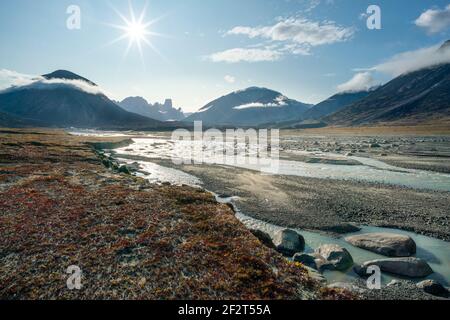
pixel 387 244
pixel 263 237
pixel 289 242
pixel 337 258
pixel 306 259
pixel 409 267
pixel 433 287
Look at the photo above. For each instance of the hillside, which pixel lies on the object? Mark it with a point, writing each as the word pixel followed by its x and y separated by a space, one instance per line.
pixel 334 104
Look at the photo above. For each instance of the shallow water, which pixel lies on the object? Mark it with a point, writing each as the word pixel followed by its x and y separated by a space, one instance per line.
pixel 370 170
pixel 159 174
pixel 435 252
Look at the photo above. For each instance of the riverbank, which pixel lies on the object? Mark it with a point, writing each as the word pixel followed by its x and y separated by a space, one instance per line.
pixel 60 206
pixel 325 205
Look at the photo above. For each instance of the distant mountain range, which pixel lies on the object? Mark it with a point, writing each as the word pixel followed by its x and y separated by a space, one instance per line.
pixel 161 112
pixel 66 104
pixel 65 99
pixel 250 107
pixel 412 98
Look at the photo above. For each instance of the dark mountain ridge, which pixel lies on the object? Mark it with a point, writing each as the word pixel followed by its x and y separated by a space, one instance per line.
pixel 250 107
pixel 68 106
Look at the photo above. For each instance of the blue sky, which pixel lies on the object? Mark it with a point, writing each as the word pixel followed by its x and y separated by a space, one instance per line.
pixel 305 49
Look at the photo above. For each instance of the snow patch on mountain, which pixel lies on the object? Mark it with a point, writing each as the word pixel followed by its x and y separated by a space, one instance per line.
pixel 280 101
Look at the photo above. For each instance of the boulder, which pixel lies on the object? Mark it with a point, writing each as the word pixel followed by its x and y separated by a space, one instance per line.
pixel 289 242
pixel 408 267
pixel 336 257
pixel 387 244
pixel 263 237
pixel 306 259
pixel 124 169
pixel 433 287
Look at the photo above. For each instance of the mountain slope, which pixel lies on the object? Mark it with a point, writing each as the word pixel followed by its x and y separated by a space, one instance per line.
pixel 252 106
pixel 7 120
pixel 68 106
pixel 416 97
pixel 412 98
pixel 334 104
pixel 158 111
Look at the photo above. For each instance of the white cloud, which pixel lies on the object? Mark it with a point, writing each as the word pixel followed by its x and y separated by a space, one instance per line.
pixel 414 60
pixel 289 36
pixel 402 63
pixel 362 81
pixel 245 55
pixel 299 31
pixel 434 20
pixel 12 80
pixel 230 79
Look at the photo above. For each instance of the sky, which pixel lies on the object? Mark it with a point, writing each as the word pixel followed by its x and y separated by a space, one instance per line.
pixel 196 50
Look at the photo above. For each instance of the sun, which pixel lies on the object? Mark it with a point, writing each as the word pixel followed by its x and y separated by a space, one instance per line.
pixel 136 30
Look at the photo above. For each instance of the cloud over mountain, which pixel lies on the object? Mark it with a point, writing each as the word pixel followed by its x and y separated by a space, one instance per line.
pixel 362 81
pixel 400 64
pixel 13 81
pixel 414 60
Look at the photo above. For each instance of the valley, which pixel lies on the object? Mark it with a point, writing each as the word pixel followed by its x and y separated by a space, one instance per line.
pixel 403 186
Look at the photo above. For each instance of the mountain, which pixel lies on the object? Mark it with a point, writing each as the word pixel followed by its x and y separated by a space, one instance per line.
pixel 7 120
pixel 162 112
pixel 412 98
pixel 63 103
pixel 64 74
pixel 334 104
pixel 250 107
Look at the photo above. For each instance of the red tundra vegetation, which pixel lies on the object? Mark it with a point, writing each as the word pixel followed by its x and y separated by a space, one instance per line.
pixel 59 206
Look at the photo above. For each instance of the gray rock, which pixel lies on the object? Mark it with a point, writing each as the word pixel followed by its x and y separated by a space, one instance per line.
pixel 433 287
pixel 263 237
pixel 347 286
pixel 393 283
pixel 289 242
pixel 124 169
pixel 387 244
pixel 306 259
pixel 408 267
pixel 336 257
